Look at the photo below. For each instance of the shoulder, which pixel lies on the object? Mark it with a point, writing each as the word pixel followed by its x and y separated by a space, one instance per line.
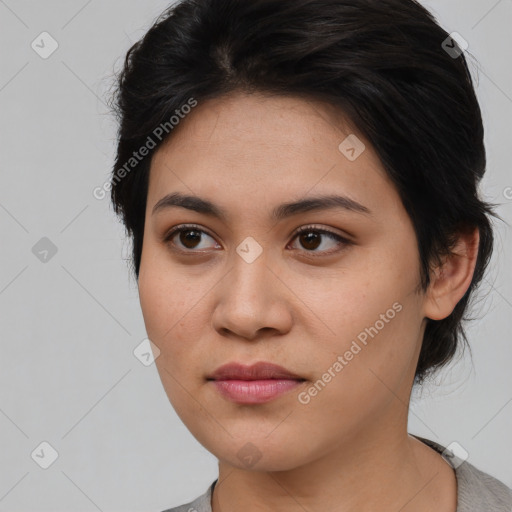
pixel 200 504
pixel 480 491
pixel 476 490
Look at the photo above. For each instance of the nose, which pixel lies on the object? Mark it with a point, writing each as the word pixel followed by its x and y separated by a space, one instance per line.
pixel 252 299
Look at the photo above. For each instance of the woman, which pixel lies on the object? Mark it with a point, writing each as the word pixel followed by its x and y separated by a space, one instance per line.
pixel 299 178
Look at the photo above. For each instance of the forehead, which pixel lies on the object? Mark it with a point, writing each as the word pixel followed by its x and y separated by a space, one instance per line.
pixel 261 149
pixel 274 122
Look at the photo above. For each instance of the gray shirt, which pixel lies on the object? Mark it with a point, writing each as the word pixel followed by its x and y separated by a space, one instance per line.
pixel 476 491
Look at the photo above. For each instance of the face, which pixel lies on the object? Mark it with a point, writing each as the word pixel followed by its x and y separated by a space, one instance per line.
pixel 336 304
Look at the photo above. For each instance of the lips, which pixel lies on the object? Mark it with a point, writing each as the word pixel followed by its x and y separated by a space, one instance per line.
pixel 255 384
pixel 259 371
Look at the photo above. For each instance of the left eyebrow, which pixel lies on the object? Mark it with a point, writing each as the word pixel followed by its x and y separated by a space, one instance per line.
pixel 280 212
pixel 318 203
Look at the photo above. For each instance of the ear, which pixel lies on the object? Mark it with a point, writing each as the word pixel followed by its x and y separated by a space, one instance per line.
pixel 450 281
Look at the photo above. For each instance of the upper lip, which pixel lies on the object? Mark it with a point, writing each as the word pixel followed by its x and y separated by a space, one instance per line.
pixel 257 371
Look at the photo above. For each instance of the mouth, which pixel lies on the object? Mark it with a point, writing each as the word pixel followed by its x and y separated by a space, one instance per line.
pixel 258 383
pixel 262 370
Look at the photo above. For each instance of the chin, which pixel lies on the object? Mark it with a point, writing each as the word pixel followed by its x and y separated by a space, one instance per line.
pixel 256 453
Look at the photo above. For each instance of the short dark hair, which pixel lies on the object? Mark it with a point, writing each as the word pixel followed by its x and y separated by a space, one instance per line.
pixel 385 64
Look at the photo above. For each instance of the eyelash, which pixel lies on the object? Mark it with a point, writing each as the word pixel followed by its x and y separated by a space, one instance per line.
pixel 305 229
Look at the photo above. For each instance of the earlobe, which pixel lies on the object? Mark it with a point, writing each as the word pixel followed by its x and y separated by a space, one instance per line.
pixel 450 281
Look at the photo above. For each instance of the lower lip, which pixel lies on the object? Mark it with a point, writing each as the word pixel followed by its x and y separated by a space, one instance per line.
pixel 254 391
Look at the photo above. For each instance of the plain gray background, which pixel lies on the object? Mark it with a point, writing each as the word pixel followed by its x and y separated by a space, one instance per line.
pixel 68 375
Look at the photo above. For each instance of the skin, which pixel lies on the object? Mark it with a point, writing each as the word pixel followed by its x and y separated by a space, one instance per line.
pixel 348 448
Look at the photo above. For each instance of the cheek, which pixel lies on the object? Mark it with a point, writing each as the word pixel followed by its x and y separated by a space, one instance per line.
pixel 174 316
pixel 175 320
pixel 162 306
pixel 354 380
pixel 375 322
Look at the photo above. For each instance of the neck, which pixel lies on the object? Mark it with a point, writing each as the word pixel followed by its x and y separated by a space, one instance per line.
pixel 379 468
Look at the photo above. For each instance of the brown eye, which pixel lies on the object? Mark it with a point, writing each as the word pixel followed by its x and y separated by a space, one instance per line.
pixel 310 238
pixel 187 238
